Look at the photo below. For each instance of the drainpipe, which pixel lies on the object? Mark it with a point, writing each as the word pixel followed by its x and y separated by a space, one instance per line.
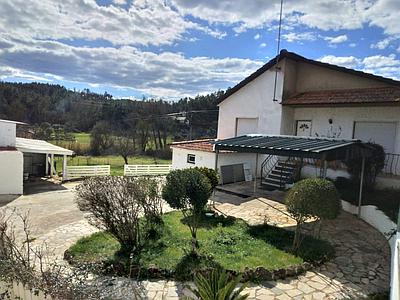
pixel 361 186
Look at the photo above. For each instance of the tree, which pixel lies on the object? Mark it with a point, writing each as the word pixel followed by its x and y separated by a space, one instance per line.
pixel 188 190
pixel 312 197
pixel 373 165
pixel 101 138
pixel 124 146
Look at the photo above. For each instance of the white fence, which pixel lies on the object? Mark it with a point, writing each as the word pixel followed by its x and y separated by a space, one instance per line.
pixel 141 170
pixel 17 290
pixel 87 171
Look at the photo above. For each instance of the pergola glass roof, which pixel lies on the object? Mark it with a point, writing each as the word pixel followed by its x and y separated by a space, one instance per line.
pixel 294 146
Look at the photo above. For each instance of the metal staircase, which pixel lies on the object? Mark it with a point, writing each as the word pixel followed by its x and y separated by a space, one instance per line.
pixel 276 172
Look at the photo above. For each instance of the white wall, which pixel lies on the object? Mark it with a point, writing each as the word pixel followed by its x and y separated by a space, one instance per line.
pixel 344 117
pixel 11 172
pixel 254 100
pixel 7 134
pixel 207 159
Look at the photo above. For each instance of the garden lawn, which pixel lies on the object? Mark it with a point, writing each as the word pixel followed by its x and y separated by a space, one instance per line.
pixel 226 242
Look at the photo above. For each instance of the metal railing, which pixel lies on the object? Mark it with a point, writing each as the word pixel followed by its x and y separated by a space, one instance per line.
pixel 392 164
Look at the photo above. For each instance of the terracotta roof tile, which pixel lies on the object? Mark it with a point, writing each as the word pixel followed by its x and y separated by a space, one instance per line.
pixel 373 96
pixel 199 145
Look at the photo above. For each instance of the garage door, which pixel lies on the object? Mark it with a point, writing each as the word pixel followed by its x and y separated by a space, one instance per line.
pixel 382 133
pixel 246 126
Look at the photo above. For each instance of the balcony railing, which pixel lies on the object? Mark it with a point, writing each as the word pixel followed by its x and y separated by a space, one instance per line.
pixel 392 164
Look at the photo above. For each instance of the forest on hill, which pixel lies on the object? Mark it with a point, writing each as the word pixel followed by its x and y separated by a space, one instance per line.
pixel 55 113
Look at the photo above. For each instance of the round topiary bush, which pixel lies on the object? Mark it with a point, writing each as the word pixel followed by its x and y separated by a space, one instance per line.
pixel 312 197
pixel 211 175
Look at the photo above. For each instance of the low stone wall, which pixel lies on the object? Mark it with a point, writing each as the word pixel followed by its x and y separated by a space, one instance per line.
pixel 377 219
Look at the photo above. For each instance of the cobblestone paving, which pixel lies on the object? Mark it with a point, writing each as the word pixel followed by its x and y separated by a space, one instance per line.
pixel 361 265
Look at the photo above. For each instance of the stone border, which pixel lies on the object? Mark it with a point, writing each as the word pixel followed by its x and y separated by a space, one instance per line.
pixel 256 274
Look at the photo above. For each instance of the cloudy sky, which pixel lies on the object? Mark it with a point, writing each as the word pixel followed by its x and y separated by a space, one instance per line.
pixel 176 48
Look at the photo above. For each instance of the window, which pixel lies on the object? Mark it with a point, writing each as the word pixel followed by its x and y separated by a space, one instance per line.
pixel 191 158
pixel 246 126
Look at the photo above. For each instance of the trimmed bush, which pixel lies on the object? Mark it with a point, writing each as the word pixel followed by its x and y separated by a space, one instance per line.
pixel 188 190
pixel 211 175
pixel 312 197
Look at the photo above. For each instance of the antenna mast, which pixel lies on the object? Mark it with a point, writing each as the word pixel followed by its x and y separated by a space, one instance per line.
pixel 278 50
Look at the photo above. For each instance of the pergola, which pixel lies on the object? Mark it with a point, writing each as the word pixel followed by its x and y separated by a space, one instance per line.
pixel 324 149
pixel 43 147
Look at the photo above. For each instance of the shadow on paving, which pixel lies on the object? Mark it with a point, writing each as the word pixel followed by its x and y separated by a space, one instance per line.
pixel 40 185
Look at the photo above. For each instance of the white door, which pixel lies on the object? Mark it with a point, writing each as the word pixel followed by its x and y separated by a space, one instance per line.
pixel 382 133
pixel 246 126
pixel 303 128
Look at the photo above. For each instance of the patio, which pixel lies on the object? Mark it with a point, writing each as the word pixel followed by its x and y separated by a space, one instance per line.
pixel 361 266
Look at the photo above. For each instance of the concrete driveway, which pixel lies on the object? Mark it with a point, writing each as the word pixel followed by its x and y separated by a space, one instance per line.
pixel 54 217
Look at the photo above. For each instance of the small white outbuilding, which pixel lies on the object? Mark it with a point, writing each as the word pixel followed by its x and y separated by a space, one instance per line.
pixel 21 158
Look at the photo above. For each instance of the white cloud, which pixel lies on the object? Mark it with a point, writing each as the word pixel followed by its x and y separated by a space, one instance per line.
pixel 295 37
pixel 337 39
pixel 383 44
pixel 263 45
pixel 244 14
pixel 257 36
pixel 387 66
pixel 166 74
pixel 120 2
pixel 145 22
pixel 352 45
pixel 344 61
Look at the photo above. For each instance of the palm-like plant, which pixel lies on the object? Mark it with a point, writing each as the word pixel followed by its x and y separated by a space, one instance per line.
pixel 217 286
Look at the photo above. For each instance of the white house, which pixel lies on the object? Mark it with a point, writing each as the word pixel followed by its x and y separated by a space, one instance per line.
pixel 20 157
pixel 295 96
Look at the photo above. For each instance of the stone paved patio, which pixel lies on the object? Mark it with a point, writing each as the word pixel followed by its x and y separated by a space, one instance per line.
pixel 361 265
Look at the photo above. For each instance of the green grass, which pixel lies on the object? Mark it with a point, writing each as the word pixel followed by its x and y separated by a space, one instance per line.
pixel 226 242
pixel 116 162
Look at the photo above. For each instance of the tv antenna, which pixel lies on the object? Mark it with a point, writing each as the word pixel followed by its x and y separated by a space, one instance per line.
pixel 278 49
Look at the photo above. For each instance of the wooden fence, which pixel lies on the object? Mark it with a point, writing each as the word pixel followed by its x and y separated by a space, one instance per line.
pixel 142 170
pixel 87 171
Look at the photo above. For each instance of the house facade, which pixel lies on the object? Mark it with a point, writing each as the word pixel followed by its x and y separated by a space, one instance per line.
pixel 293 95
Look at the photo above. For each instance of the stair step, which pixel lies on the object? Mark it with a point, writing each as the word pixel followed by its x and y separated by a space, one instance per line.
pixel 270 184
pixel 281 172
pixel 278 176
pixel 289 164
pixel 284 168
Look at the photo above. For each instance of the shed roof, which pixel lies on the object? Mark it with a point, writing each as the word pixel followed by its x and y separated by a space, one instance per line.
pixel 40 146
pixel 13 122
pixel 372 96
pixel 295 146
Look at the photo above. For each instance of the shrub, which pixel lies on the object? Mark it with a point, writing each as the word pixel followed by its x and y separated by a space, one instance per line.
pixel 116 203
pixel 312 197
pixel 217 286
pixel 211 175
pixel 188 190
pixel 373 166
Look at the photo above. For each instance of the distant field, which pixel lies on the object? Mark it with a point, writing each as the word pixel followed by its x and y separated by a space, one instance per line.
pixel 116 162
pixel 82 142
